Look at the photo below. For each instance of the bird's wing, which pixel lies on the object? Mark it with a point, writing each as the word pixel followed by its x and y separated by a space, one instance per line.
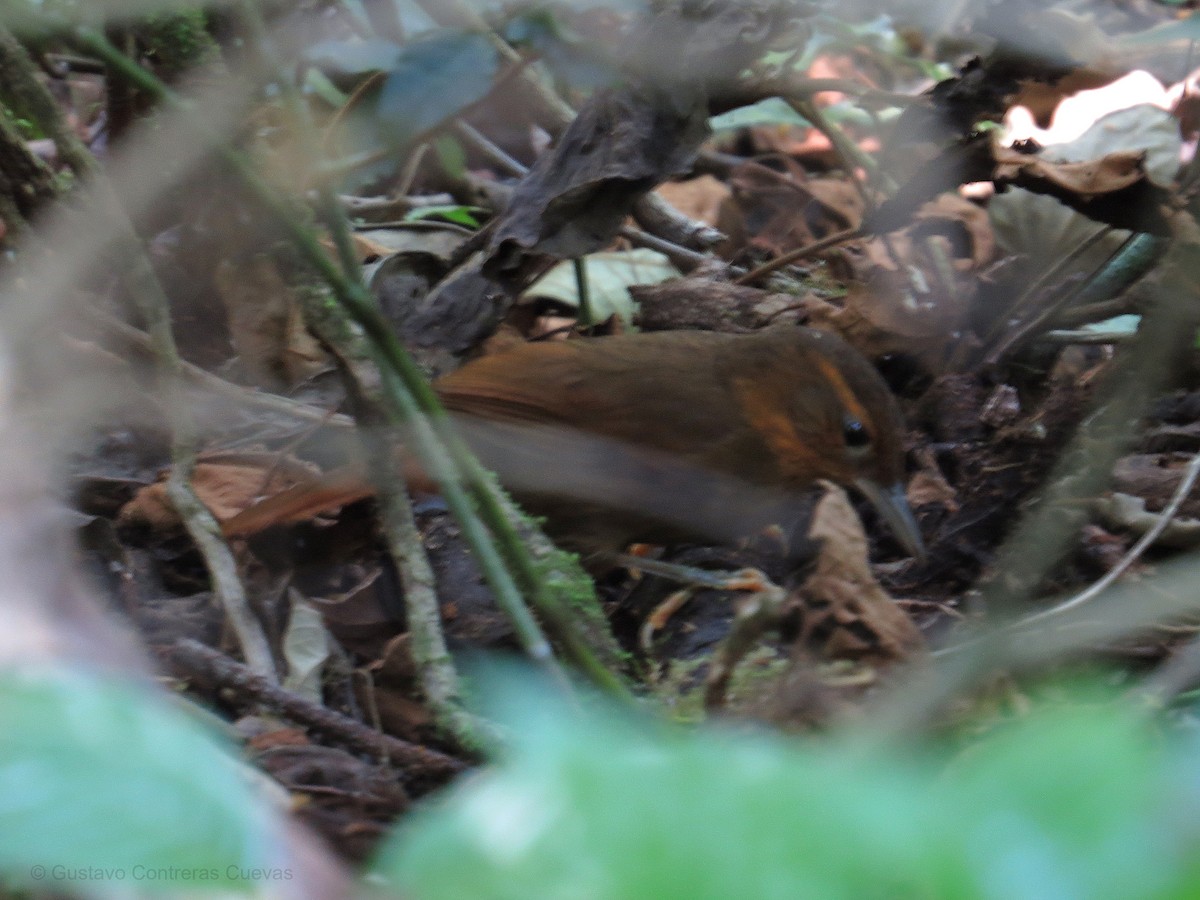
pixel 541 383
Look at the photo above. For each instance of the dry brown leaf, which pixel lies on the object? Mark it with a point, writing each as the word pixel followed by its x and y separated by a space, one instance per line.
pixel 391 689
pixel 787 209
pixel 927 487
pixel 697 198
pixel 265 324
pixel 227 483
pixel 843 600
pixel 1110 173
pixel 879 318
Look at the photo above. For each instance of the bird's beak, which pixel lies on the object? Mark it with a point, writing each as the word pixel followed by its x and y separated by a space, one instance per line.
pixel 894 508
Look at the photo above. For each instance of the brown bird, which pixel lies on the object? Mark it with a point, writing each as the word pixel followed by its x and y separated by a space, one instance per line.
pixel 682 436
pixel 672 437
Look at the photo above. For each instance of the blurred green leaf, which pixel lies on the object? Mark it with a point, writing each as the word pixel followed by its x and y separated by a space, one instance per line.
pixel 771 111
pixel 433 79
pixel 1075 801
pixel 459 215
pixel 100 778
pixel 577 63
pixel 305 648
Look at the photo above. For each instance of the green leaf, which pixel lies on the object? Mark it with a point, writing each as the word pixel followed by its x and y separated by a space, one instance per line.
pixel 609 276
pixel 460 215
pixel 102 781
pixel 318 83
pixel 1074 801
pixel 771 111
pixel 434 79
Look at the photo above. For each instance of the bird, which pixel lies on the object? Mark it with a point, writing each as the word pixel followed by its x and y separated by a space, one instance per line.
pixel 671 437
pixel 682 436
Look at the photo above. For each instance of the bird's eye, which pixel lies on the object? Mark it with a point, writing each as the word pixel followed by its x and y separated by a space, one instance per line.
pixel 855 433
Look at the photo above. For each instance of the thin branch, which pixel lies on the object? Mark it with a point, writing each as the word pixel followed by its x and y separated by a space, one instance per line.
pixel 194 659
pixel 202 378
pixel 198 520
pixel 1164 519
pixel 831 240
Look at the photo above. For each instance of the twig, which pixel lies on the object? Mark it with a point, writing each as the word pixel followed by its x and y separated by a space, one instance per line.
pixel 198 520
pixel 681 257
pixel 684 258
pixel 1040 540
pixel 193 658
pixel 852 157
pixel 491 150
pixel 439 676
pixel 202 378
pixel 1005 336
pixel 831 240
pixel 1164 519
pixel 20 73
pixel 148 295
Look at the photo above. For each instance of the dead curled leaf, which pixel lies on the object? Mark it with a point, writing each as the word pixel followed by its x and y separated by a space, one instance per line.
pixel 779 211
pixel 227 483
pixel 929 486
pixel 889 310
pixel 1113 172
pixel 880 317
pixel 847 629
pixel 842 602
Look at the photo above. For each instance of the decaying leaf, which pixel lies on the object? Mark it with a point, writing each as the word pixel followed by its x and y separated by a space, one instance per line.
pixel 779 211
pixel 1126 511
pixel 305 648
pixel 929 486
pixel 227 483
pixel 622 143
pixel 609 276
pixel 839 614
pixel 265 324
pixel 391 689
pixel 845 610
pixel 882 316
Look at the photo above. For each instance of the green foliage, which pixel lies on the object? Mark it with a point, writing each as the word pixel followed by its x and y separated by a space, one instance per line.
pixel 102 781
pixel 574 62
pixel 1075 801
pixel 178 40
pixel 769 111
pixel 1186 29
pixel 433 79
pixel 420 86
pixel 459 215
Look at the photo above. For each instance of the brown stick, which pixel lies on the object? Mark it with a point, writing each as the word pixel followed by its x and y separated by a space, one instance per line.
pixel 193 659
